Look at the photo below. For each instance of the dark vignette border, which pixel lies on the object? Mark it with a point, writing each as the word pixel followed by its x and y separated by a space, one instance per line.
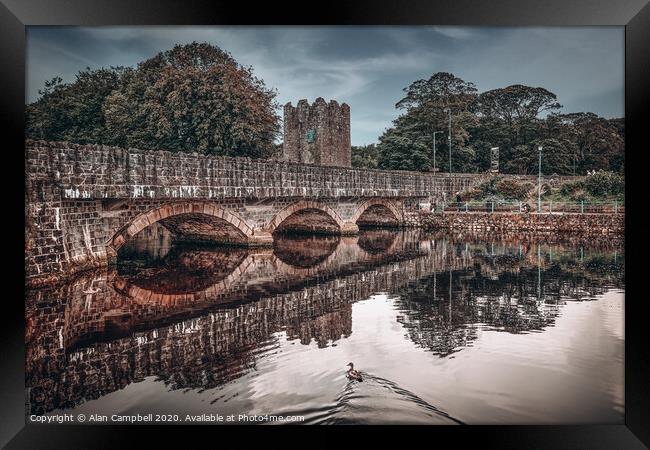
pixel 16 14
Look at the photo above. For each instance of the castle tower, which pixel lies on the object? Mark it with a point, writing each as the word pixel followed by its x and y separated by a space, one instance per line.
pixel 317 133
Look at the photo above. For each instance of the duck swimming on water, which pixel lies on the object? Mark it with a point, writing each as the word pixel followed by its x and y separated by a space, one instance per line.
pixel 353 374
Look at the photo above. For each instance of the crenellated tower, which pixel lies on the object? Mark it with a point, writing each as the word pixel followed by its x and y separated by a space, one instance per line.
pixel 317 133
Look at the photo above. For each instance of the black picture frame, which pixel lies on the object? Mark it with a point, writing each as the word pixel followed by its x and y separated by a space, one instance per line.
pixel 15 15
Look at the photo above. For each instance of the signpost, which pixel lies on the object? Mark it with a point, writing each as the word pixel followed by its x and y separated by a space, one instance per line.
pixel 494 160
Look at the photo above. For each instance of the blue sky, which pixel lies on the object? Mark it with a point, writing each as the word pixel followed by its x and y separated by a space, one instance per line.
pixel 364 66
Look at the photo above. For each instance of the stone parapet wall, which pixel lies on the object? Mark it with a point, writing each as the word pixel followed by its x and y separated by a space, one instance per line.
pixel 60 170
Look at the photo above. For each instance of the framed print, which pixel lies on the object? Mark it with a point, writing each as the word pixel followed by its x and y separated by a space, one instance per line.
pixel 371 214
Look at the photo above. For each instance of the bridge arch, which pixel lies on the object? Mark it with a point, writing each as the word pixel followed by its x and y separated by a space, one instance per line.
pixel 377 211
pixel 307 216
pixel 200 220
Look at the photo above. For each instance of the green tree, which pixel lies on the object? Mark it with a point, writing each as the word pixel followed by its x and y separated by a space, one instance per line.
pixel 517 103
pixel 509 118
pixel 365 156
pixel 73 112
pixel 525 158
pixel 617 158
pixel 404 147
pixel 597 143
pixel 194 97
pixel 604 183
pixel 408 144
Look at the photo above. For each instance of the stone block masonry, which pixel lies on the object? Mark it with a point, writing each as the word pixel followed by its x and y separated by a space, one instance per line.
pixel 83 202
pixel 586 224
pixel 317 133
pixel 59 170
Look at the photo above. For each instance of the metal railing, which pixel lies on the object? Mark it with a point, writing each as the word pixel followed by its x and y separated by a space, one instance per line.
pixel 547 207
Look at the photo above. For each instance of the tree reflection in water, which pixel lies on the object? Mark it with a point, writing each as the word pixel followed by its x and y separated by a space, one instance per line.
pixel 201 317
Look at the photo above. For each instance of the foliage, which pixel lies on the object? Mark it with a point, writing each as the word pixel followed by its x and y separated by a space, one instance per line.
pixel 525 158
pixel 605 183
pixel 516 104
pixel 365 156
pixel 572 190
pixel 194 97
pixel 401 150
pixel 508 118
pixel 598 143
pixel 601 185
pixel 511 189
pixel 428 104
pixel 73 112
pixel 499 188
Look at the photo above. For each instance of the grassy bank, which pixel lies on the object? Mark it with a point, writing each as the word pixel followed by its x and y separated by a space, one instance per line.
pixel 601 187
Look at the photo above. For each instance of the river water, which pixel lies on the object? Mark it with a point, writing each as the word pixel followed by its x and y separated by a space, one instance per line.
pixel 445 329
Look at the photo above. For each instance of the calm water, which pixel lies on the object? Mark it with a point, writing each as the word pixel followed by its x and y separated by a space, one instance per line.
pixel 445 329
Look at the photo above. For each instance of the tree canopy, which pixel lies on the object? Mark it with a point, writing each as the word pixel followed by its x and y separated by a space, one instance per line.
pixel 197 98
pixel 365 156
pixel 517 119
pixel 192 98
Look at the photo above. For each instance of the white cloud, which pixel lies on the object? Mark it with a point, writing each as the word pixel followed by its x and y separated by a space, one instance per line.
pixel 458 32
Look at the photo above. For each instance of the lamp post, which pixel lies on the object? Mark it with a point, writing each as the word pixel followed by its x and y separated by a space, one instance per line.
pixel 448 110
pixel 539 181
pixel 434 149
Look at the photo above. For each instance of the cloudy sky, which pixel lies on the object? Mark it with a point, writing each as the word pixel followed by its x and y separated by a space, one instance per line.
pixel 366 67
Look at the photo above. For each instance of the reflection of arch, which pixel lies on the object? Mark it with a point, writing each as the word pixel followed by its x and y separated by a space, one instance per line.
pixel 335 255
pixel 304 272
pixel 185 271
pixel 230 284
pixel 276 224
pixel 336 260
pixel 378 202
pixel 304 251
pixel 377 241
pixel 212 215
pixel 145 296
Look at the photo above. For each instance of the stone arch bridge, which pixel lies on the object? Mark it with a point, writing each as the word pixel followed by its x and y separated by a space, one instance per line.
pixel 84 202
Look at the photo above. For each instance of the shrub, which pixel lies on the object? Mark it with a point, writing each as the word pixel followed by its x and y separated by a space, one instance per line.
pixel 605 183
pixel 488 188
pixel 511 189
pixel 569 189
pixel 499 188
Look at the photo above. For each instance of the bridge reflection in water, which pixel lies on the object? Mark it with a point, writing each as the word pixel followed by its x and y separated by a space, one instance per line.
pixel 199 317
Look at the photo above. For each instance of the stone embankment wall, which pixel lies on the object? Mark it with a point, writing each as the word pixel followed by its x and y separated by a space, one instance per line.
pixel 508 222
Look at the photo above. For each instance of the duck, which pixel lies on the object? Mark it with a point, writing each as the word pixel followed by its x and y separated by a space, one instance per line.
pixel 353 374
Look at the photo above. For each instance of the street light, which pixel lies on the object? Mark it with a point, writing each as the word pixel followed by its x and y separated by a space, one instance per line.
pixel 539 181
pixel 434 149
pixel 448 110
